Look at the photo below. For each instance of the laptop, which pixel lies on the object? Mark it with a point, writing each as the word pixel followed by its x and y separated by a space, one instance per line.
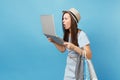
pixel 48 28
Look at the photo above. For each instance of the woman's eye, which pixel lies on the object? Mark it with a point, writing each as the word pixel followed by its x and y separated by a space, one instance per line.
pixel 65 18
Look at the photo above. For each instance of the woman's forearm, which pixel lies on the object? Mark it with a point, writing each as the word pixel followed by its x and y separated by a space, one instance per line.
pixel 60 47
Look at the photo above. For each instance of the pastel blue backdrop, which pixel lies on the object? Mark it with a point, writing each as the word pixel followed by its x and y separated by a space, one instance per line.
pixel 26 54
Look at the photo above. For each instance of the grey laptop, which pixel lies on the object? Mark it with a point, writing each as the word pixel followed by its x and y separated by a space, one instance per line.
pixel 48 28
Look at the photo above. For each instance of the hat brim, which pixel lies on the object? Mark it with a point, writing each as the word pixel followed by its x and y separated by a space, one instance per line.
pixel 65 11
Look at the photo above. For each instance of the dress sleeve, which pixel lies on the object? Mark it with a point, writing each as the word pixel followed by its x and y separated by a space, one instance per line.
pixel 83 39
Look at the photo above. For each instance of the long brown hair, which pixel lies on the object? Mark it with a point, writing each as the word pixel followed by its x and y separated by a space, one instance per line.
pixel 74 31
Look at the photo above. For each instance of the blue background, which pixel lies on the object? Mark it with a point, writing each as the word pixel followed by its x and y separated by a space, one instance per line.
pixel 26 54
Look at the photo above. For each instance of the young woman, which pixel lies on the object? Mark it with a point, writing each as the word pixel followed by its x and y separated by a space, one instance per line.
pixel 74 41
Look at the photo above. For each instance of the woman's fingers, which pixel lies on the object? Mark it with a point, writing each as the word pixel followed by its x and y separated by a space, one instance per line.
pixel 67 45
pixel 50 39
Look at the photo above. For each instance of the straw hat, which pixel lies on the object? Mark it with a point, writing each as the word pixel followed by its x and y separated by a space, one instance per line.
pixel 74 13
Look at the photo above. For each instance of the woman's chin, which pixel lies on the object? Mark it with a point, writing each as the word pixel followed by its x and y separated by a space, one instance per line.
pixel 66 28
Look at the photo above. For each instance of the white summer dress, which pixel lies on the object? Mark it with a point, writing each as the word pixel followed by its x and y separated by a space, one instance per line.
pixel 72 57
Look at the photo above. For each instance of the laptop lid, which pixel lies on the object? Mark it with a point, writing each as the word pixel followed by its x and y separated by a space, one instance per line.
pixel 48 26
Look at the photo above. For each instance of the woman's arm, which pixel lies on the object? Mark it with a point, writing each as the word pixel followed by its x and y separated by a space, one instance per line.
pixel 86 48
pixel 60 47
pixel 79 50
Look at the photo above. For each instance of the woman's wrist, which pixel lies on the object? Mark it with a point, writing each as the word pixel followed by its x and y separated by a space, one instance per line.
pixel 75 48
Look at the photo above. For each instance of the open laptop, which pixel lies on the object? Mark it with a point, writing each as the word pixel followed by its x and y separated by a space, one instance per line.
pixel 48 28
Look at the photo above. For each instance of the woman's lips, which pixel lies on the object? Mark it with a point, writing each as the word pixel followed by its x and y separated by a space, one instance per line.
pixel 64 25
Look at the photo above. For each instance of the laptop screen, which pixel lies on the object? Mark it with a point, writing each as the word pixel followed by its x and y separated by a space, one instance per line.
pixel 48 26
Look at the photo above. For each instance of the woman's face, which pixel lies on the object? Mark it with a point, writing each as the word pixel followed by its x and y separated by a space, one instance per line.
pixel 66 21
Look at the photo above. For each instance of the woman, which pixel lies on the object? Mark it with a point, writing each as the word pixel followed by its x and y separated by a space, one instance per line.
pixel 75 40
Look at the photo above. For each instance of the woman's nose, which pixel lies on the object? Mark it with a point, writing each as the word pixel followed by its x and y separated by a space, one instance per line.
pixel 63 20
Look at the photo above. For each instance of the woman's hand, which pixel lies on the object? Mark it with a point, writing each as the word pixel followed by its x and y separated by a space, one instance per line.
pixel 58 46
pixel 69 45
pixel 51 40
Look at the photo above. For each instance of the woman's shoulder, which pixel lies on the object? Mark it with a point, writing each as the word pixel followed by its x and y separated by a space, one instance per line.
pixel 81 32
